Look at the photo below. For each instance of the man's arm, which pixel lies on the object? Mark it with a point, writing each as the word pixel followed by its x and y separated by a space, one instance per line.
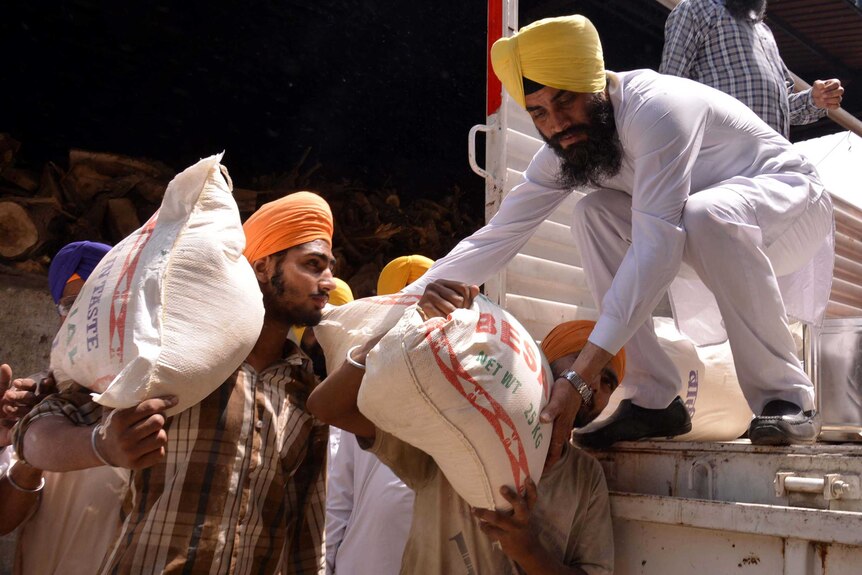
pixel 683 37
pixel 17 503
pixel 812 104
pixel 517 535
pixel 21 484
pixel 18 397
pixel 132 438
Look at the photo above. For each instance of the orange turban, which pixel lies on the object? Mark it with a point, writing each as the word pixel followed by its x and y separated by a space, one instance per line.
pixel 290 221
pixel 401 272
pixel 571 337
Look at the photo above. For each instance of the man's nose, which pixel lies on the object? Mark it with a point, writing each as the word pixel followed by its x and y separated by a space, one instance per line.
pixel 558 123
pixel 327 281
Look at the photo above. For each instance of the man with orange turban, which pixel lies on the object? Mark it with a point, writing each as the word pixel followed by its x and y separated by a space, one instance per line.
pixel 563 345
pixel 689 191
pixel 561 524
pixel 236 483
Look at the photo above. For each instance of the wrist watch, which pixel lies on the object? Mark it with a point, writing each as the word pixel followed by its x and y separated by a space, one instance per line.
pixel 581 386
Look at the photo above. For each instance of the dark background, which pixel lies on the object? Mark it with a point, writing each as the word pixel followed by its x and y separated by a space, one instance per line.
pixel 379 91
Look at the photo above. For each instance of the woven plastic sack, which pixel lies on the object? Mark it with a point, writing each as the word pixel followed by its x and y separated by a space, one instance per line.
pixel 466 389
pixel 354 323
pixel 173 309
pixel 708 386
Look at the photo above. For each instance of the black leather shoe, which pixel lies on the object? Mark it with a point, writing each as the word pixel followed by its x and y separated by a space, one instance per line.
pixel 784 423
pixel 630 422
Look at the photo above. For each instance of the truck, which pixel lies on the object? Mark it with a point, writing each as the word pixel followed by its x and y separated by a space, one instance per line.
pixel 706 507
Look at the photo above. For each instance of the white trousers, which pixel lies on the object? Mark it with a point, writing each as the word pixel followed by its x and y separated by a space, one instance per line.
pixel 737 245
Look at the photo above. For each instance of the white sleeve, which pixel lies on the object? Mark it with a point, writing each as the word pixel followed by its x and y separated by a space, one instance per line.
pixel 478 257
pixel 662 183
pixel 339 497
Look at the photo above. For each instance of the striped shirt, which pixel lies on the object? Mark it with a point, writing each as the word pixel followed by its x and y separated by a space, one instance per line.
pixel 703 42
pixel 242 489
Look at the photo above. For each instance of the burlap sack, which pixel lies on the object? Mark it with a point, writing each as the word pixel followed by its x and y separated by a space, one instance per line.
pixel 467 390
pixel 174 308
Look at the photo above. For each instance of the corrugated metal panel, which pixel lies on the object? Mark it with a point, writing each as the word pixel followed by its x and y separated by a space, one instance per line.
pixel 818 36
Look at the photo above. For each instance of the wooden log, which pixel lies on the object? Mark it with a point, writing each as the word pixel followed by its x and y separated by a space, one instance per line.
pixel 18 232
pixel 83 182
pixel 116 165
pixel 49 185
pixel 151 189
pixel 246 201
pixel 28 226
pixel 122 218
pixel 24 179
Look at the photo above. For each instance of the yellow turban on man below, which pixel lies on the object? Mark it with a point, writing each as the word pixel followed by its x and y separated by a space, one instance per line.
pixel 563 53
pixel 287 222
pixel 571 337
pixel 401 272
pixel 342 293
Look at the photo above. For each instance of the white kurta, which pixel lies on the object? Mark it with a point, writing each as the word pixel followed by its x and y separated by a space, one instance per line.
pixel 368 513
pixel 679 138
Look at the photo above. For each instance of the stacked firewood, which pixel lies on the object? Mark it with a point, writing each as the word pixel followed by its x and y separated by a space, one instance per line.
pixel 104 197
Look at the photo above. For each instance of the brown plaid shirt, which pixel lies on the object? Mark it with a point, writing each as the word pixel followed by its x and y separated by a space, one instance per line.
pixel 242 490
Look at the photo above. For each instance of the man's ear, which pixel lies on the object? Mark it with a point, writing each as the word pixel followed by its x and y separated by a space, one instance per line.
pixel 261 272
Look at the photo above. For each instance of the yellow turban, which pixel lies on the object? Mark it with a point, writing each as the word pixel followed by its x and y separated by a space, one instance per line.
pixel 571 337
pixel 342 293
pixel 401 272
pixel 563 53
pixel 290 221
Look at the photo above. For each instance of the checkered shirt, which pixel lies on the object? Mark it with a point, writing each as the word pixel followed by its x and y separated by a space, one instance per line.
pixel 242 490
pixel 705 43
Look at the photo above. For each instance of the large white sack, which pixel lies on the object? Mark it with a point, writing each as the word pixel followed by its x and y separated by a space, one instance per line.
pixel 466 389
pixel 708 386
pixel 174 308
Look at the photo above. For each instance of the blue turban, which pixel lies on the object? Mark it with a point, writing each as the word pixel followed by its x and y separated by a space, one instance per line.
pixel 76 258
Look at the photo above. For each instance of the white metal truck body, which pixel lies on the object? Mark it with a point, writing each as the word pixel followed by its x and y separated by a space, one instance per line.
pixel 710 508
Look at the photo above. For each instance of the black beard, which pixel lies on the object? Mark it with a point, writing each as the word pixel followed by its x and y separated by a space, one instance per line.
pixel 276 309
pixel 746 10
pixel 597 158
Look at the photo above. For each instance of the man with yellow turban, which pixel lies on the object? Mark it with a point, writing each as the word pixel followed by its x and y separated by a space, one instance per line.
pixel 689 191
pixel 236 483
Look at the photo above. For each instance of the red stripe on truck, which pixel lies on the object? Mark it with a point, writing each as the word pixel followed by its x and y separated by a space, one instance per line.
pixel 494 95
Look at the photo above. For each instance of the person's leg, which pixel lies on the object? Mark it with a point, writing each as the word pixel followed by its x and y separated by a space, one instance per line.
pixel 652 408
pixel 602 229
pixel 738 258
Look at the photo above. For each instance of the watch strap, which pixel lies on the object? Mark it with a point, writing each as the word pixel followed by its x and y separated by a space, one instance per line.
pixel 581 386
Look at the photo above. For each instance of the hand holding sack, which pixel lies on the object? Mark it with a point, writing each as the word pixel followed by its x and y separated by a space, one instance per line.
pixel 468 390
pixel 173 309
